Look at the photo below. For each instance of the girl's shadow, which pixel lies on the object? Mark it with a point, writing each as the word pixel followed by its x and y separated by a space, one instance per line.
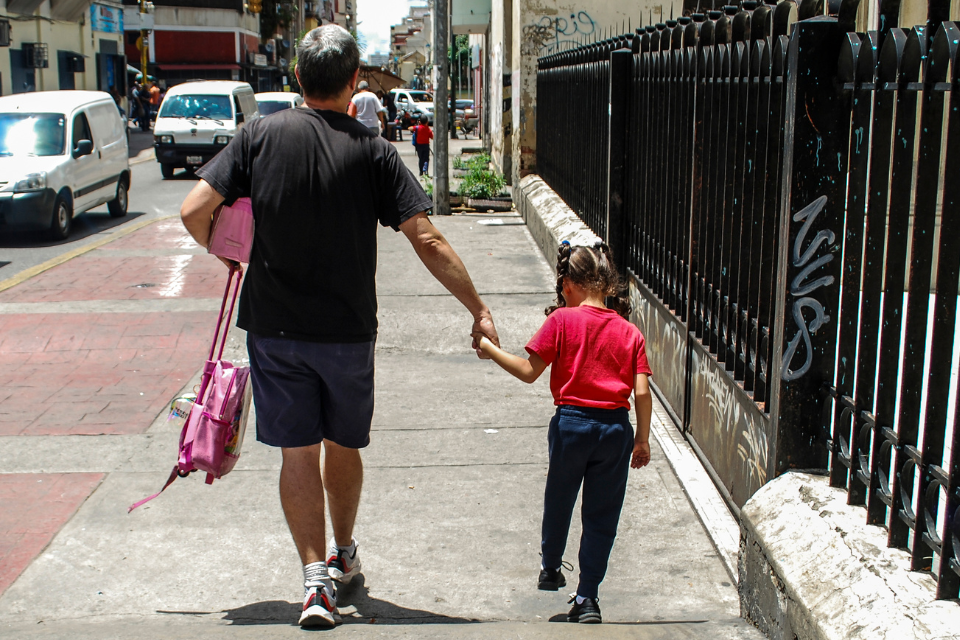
pixel 355 604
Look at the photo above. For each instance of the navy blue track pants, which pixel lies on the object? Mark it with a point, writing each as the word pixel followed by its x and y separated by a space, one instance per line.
pixel 591 447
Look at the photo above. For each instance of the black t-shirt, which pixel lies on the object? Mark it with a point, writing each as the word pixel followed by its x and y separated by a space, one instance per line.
pixel 319 182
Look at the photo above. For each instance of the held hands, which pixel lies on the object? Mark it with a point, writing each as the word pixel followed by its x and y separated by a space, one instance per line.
pixel 641 454
pixel 483 328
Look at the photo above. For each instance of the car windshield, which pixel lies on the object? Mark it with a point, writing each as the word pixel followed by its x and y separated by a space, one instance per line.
pixel 197 106
pixel 422 97
pixel 272 106
pixel 32 134
pixel 464 104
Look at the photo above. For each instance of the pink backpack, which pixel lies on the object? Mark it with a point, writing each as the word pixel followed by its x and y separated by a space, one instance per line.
pixel 231 234
pixel 213 433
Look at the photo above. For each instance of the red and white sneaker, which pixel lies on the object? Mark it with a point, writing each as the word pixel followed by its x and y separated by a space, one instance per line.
pixel 341 566
pixel 320 607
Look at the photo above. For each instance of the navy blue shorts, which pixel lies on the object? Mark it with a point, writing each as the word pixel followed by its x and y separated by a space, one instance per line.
pixel 307 392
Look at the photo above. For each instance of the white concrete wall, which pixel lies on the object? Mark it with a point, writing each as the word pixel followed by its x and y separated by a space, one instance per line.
pixel 499 68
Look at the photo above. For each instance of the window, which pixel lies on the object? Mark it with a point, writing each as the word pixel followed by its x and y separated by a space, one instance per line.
pixel 197 106
pixel 32 134
pixel 81 129
pixel 266 107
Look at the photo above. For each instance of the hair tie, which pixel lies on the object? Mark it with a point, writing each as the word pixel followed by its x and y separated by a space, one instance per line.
pixel 566 242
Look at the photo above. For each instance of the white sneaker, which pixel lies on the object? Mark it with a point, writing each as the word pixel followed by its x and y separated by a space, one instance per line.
pixel 320 607
pixel 342 567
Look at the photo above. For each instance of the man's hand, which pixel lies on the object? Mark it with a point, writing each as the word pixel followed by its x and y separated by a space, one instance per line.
pixel 484 327
pixel 641 454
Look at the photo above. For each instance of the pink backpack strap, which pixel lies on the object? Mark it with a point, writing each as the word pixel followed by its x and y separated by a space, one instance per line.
pixel 173 476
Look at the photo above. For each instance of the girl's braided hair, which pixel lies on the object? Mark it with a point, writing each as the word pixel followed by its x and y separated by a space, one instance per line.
pixel 593 269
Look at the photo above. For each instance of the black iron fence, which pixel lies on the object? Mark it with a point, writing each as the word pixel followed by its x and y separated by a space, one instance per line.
pixel 784 197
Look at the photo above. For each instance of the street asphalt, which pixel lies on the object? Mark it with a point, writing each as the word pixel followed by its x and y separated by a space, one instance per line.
pixel 92 351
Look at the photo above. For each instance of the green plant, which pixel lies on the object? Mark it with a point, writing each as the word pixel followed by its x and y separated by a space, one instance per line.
pixel 481 183
pixel 427 185
pixel 481 161
pixel 458 163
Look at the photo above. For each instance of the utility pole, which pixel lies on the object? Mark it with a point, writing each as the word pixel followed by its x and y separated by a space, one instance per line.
pixel 441 138
pixel 145 8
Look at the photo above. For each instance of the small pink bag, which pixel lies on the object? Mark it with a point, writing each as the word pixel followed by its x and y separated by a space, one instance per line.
pixel 231 235
pixel 213 433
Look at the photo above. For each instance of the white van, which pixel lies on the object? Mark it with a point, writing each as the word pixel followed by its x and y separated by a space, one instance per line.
pixel 61 153
pixel 198 119
pixel 414 102
pixel 273 101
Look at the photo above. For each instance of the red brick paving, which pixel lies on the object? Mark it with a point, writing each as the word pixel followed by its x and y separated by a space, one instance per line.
pixel 36 506
pixel 94 373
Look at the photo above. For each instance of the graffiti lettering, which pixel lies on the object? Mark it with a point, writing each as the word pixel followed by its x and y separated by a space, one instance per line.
pixel 551 35
pixel 801 288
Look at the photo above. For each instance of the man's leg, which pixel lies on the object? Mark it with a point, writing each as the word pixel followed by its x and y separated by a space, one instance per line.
pixel 343 480
pixel 301 495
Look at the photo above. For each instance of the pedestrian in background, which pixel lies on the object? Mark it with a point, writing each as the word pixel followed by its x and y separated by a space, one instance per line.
pixel 309 301
pixel 390 104
pixel 598 359
pixel 367 108
pixel 422 135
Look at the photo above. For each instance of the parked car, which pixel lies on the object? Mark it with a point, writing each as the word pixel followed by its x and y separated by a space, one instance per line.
pixel 198 119
pixel 273 101
pixel 414 102
pixel 61 153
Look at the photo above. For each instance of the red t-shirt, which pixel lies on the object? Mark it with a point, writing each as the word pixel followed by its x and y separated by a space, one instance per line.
pixel 595 354
pixel 424 134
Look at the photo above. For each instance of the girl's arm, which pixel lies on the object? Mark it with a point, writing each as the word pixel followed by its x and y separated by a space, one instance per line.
pixel 526 370
pixel 643 404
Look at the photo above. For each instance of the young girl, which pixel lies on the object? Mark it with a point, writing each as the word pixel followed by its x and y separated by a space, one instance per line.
pixel 598 359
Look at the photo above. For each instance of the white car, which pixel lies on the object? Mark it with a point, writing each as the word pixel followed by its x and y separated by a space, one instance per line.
pixel 198 119
pixel 61 153
pixel 273 101
pixel 414 102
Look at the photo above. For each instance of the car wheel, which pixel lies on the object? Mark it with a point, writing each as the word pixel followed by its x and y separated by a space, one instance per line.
pixel 118 206
pixel 166 170
pixel 62 219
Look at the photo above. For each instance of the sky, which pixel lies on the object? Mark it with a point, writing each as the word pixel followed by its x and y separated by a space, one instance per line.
pixel 375 18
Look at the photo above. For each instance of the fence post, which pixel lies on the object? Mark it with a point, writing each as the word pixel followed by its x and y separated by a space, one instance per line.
pixel 811 238
pixel 618 106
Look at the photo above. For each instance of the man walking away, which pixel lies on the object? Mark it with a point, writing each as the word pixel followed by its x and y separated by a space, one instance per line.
pixel 320 182
pixel 368 109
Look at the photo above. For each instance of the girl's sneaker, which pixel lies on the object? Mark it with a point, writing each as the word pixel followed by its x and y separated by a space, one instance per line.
pixel 320 607
pixel 342 566
pixel 587 612
pixel 551 580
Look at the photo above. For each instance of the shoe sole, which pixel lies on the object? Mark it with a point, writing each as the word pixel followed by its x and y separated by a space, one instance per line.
pixel 317 616
pixel 344 578
pixel 589 618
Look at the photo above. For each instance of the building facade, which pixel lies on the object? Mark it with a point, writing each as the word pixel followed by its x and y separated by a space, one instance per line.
pixel 202 39
pixel 67 44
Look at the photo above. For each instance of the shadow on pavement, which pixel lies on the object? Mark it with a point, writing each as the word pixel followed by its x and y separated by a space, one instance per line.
pixel 139 141
pixel 84 226
pixel 355 604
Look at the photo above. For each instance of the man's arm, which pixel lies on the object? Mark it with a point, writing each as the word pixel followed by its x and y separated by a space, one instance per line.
pixel 445 265
pixel 197 213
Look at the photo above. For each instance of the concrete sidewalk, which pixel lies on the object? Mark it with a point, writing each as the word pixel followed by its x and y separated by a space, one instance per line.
pixel 450 517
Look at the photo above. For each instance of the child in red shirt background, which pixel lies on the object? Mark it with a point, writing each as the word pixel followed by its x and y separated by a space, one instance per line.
pixel 598 359
pixel 422 135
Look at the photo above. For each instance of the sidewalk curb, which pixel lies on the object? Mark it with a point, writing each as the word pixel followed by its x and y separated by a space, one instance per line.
pixel 144 156
pixel 26 274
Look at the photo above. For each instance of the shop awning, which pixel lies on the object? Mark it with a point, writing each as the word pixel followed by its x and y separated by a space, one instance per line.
pixel 199 67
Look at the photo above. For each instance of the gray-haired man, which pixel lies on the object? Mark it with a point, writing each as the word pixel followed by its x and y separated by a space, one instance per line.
pixel 320 182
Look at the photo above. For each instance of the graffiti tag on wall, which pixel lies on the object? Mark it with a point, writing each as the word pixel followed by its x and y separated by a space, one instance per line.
pixel 551 35
pixel 801 288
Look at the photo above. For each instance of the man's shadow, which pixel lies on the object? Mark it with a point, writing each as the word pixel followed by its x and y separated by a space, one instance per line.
pixel 354 603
